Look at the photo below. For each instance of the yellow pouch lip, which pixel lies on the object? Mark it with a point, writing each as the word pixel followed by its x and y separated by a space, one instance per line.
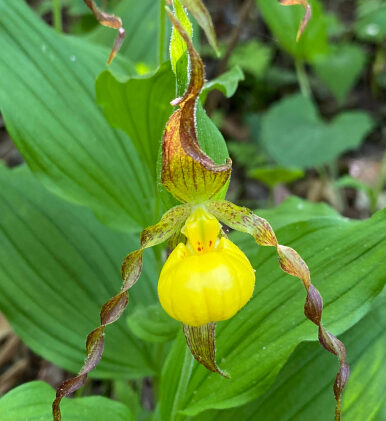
pixel 200 288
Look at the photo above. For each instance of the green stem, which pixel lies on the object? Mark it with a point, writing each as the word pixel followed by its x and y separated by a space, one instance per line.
pixel 339 197
pixel 303 81
pixel 338 410
pixel 57 12
pixel 379 183
pixel 161 34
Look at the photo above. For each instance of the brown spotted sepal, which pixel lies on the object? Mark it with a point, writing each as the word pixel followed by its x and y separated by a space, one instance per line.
pixel 187 172
pixel 111 311
pixel 306 17
pixel 201 341
pixel 244 220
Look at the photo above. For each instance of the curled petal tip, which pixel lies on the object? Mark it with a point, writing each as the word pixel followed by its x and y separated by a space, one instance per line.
pixel 306 17
pixel 110 21
pixel 117 45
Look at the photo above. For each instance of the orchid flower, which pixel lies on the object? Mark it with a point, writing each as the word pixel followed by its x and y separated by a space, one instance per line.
pixel 206 278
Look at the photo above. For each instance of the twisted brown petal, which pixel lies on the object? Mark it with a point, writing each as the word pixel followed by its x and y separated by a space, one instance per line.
pixel 110 21
pixel 113 309
pixel 243 219
pixel 187 172
pixel 306 17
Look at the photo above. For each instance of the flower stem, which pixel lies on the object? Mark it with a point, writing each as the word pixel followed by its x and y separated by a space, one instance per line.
pixel 301 74
pixel 338 410
pixel 379 183
pixel 57 12
pixel 161 34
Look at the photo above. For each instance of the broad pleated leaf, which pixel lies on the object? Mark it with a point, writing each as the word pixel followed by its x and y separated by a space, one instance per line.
pixel 58 265
pixel 140 107
pixel 346 263
pixel 52 116
pixel 293 209
pixel 32 401
pixel 303 386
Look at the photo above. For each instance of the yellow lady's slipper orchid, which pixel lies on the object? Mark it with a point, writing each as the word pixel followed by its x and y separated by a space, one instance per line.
pixel 207 280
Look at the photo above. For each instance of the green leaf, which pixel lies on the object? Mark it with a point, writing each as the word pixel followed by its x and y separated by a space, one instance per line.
pixel 152 324
pixel 178 49
pixel 203 18
pixel 349 181
pixel 226 83
pixel 32 401
pixel 253 57
pixel 144 116
pixel 346 262
pixel 341 68
pixel 294 209
pixel 140 20
pixel 73 8
pixel 365 394
pixel 58 266
pixel 335 27
pixel 284 23
pixel 354 183
pixel 52 116
pixel 123 391
pixel 140 107
pixel 294 134
pixel 303 386
pixel 247 154
pixel 272 175
pixel 371 20
pixel 210 138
